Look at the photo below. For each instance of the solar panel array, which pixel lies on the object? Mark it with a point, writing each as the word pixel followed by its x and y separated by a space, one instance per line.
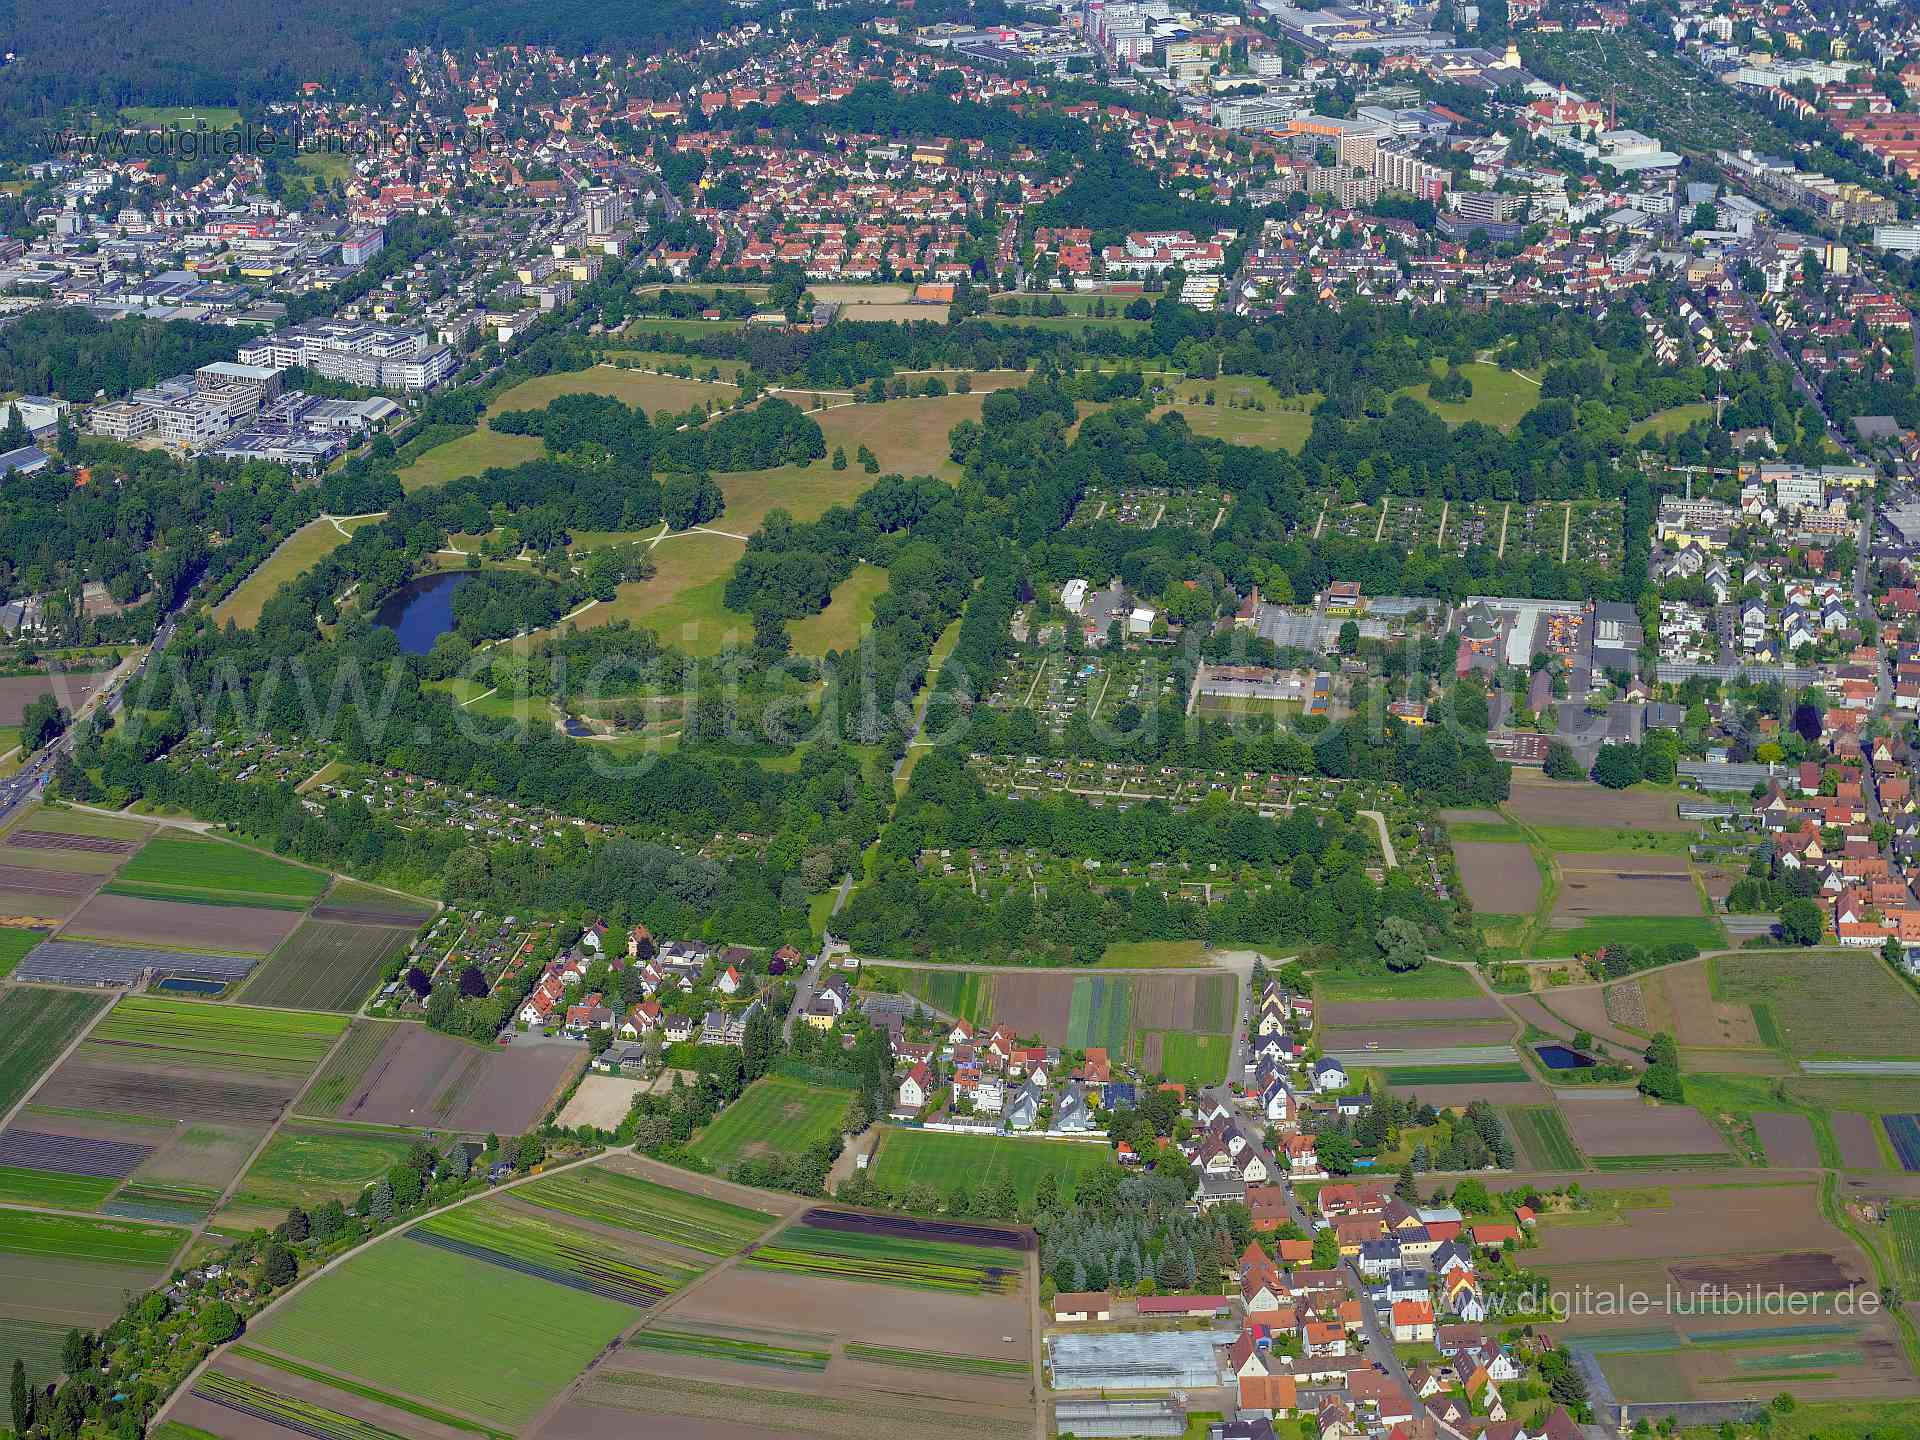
pixel 82 962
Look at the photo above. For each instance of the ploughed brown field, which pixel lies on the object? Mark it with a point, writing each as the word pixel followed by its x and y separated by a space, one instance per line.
pixel 1622 885
pixel 1787 1139
pixel 1500 879
pixel 1705 1218
pixel 71 690
pixel 1519 1092
pixel 1555 802
pixel 90 1081
pixel 47 882
pixel 53 840
pixel 1577 1007
pixel 230 929
pixel 1408 1012
pixel 1632 1127
pixel 1859 1150
pixel 366 915
pixel 1680 1000
pixel 421 1077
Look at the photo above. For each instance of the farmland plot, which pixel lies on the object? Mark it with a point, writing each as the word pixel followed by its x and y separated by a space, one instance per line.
pixel 1845 1003
pixel 420 1077
pixel 209 872
pixel 304 1165
pixel 608 1195
pixel 1613 1128
pixel 944 1160
pixel 326 966
pixel 916 1255
pixel 35 1026
pixel 119 918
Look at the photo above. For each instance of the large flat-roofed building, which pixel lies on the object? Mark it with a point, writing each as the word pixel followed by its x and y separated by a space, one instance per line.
pixel 375 356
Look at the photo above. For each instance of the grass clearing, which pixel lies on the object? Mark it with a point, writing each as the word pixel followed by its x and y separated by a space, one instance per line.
pixel 776 1116
pixel 1154 954
pixel 945 1160
pixel 685 601
pixel 1642 930
pixel 1500 397
pixel 1429 982
pixel 412 1318
pixel 848 616
pixel 652 393
pixel 1188 1059
pixel 35 1026
pixel 297 554
pixel 209 872
pixel 1670 422
pixel 471 454
pixel 306 1165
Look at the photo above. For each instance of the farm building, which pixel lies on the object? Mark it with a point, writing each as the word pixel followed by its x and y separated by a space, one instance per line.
pixel 1162 1360
pixel 1075 1305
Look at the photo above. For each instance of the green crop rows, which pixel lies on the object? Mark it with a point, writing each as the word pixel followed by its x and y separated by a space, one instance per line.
pixel 284 1043
pixel 302 1416
pixel 206 872
pixel 742 1349
pixel 940 1360
pixel 551 1251
pixel 1408 1076
pixel 60 1192
pixel 71 1237
pixel 366 1392
pixel 891 1260
pixel 1543 1137
pixel 35 1026
pixel 610 1197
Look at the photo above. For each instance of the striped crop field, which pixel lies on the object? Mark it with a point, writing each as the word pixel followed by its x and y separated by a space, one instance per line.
pixel 550 1251
pixel 612 1197
pixel 284 1043
pixel 910 1262
pixel 742 1347
pixel 243 1397
pixel 940 1360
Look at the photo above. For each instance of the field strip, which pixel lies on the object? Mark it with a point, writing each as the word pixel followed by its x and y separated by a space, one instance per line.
pixel 58 1061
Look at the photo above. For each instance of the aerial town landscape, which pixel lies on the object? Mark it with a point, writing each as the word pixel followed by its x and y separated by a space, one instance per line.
pixel 927 718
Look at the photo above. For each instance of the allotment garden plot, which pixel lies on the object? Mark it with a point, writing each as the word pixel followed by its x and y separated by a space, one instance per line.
pixel 389 1073
pixel 873 1327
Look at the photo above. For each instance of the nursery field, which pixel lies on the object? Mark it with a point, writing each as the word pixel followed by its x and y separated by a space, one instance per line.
pixel 551 1249
pixel 776 1116
pixel 916 1255
pixel 943 1160
pixel 1540 1134
pixel 325 965
pixel 607 1196
pixel 35 1026
pixel 207 872
pixel 283 1043
pixel 412 1318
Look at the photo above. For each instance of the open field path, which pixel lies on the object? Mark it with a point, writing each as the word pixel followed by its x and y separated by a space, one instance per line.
pixel 1386 841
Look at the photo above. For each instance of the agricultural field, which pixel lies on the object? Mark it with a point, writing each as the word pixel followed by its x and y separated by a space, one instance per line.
pixel 1845 1003
pixel 1603 885
pixel 1500 878
pixel 944 1160
pixel 1630 1129
pixel 402 1074
pixel 306 1164
pixel 962 994
pixel 913 1254
pixel 15 942
pixel 411 1318
pixel 35 1026
pixel 1438 985
pixel 1192 1060
pixel 776 1116
pixel 1540 1134
pixel 1590 935
pixel 64 1270
pixel 1425 1077
pixel 208 872
pixel 186 926
pixel 349 902
pixel 549 1247
pixel 609 1195
pixel 325 965
pixel 1536 800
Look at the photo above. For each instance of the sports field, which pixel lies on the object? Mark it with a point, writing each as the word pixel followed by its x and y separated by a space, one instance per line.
pixel 326 966
pixel 207 872
pixel 776 1116
pixel 418 1319
pixel 35 1026
pixel 931 1157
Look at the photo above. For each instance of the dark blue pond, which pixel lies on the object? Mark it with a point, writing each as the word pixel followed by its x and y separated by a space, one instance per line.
pixel 421 611
pixel 1560 1057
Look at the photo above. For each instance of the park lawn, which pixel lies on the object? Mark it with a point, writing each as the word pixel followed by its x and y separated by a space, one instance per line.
pixel 1430 982
pixel 685 601
pixel 1499 397
pixel 420 1321
pixel 943 1160
pixel 645 325
pixel 805 492
pixel 652 393
pixel 846 618
pixel 1590 935
pixel 299 553
pixel 1074 324
pixel 1670 422
pixel 172 867
pixel 1273 428
pixel 701 366
pixel 479 450
pixel 1154 954
pixel 908 436
pixel 776 1115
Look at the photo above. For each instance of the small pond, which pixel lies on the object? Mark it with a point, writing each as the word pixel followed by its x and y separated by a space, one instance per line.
pixel 1561 1057
pixel 421 611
